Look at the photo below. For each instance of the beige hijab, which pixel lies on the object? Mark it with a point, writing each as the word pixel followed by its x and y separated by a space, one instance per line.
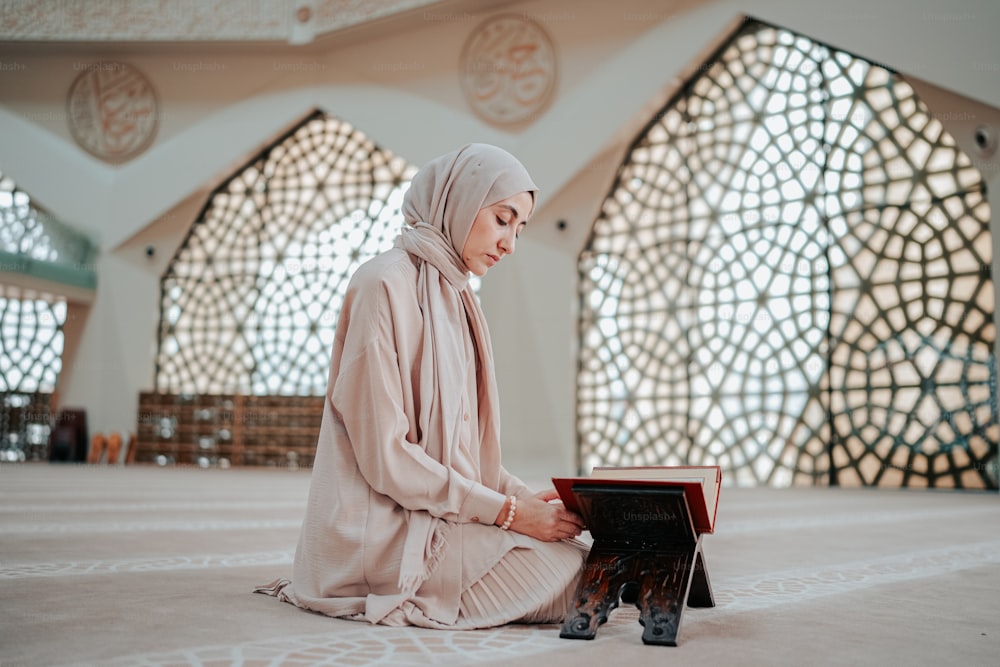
pixel 443 200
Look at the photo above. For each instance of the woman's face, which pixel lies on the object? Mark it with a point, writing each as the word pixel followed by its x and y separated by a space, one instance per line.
pixel 494 232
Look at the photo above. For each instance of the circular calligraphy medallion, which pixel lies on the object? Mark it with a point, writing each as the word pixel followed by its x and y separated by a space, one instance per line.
pixel 112 111
pixel 508 69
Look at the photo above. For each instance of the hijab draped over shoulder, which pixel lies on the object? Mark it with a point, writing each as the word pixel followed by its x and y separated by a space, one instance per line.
pixel 439 208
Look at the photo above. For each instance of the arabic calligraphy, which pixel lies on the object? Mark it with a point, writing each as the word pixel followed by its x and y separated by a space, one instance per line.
pixel 112 111
pixel 508 69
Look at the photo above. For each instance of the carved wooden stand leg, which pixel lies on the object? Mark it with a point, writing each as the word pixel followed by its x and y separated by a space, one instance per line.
pixel 660 582
pixel 597 594
pixel 663 582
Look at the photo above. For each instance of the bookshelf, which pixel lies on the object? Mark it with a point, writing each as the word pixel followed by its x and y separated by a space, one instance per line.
pixel 227 429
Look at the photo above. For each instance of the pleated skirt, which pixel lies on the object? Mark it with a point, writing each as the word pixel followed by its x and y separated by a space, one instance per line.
pixel 527 585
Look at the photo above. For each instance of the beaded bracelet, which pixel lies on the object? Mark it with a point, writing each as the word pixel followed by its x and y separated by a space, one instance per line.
pixel 510 514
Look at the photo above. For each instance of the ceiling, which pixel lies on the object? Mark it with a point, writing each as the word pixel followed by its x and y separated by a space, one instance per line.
pixel 166 21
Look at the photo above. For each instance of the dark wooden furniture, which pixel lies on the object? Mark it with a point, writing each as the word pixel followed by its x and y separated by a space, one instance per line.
pixel 646 552
pixel 68 438
pixel 227 429
pixel 26 420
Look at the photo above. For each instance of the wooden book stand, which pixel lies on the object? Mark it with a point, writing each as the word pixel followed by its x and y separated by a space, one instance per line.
pixel 646 552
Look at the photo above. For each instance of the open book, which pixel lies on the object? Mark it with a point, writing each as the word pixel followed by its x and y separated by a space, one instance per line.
pixel 701 487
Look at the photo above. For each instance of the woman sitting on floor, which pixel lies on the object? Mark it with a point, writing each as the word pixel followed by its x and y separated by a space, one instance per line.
pixel 412 519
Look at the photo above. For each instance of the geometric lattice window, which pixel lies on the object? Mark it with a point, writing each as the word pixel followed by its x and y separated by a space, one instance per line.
pixel 31 342
pixel 29 235
pixel 31 326
pixel 249 303
pixel 790 278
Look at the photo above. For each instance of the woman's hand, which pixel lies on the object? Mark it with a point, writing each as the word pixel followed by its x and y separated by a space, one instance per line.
pixel 536 517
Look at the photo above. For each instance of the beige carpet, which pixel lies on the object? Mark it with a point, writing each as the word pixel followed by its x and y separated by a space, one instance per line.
pixel 151 566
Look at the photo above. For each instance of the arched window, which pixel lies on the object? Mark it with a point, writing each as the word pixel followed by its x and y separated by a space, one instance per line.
pixel 31 323
pixel 249 303
pixel 32 245
pixel 791 279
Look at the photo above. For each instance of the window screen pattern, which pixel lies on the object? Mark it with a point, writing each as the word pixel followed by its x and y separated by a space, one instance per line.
pixel 791 278
pixel 31 342
pixel 31 324
pixel 29 232
pixel 249 303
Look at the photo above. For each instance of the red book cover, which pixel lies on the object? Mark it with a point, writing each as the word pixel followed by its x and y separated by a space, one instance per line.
pixel 703 509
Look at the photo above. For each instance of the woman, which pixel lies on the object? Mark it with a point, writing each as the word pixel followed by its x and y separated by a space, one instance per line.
pixel 412 519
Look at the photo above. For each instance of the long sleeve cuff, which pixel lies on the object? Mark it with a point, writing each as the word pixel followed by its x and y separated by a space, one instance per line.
pixel 482 505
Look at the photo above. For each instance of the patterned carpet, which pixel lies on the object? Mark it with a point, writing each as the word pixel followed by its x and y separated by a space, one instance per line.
pixel 154 567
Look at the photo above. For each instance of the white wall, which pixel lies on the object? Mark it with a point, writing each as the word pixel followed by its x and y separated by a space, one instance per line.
pixel 619 61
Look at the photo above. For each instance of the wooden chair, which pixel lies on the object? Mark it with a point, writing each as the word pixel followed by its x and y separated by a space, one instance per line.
pixel 114 448
pixel 130 449
pixel 98 447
